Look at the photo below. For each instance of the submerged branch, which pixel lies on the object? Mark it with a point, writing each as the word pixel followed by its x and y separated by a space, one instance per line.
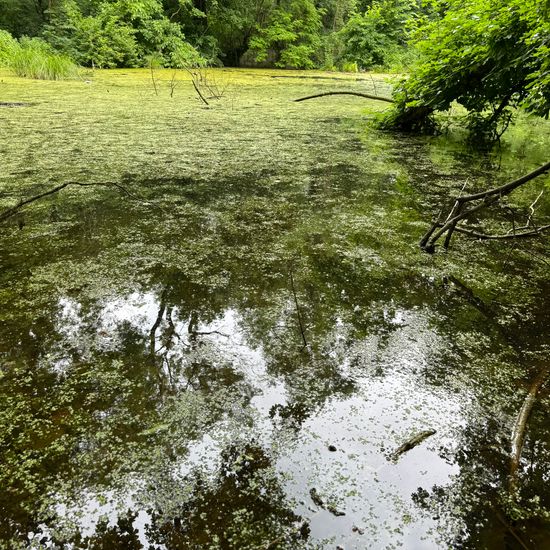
pixel 359 94
pixel 411 443
pixel 520 426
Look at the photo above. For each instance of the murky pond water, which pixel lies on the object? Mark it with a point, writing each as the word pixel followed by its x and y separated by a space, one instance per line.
pixel 226 351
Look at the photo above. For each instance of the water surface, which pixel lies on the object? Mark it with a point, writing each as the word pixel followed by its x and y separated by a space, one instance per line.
pixel 249 319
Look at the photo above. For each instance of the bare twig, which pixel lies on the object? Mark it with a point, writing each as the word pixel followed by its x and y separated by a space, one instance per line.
pixel 193 81
pixel 373 83
pixel 531 213
pixel 173 83
pixel 487 198
pixel 153 79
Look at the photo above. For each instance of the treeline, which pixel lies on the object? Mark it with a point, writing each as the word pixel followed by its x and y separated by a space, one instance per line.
pixel 304 34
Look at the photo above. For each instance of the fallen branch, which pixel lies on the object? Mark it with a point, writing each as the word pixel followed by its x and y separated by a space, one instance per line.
pixel 485 236
pixel 520 426
pixel 359 94
pixel 487 198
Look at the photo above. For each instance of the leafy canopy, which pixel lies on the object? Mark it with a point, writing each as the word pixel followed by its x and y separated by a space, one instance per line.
pixel 487 55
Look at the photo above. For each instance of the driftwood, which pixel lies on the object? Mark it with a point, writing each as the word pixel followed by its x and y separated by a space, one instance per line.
pixel 411 444
pixel 487 198
pixel 322 504
pixel 358 94
pixel 520 426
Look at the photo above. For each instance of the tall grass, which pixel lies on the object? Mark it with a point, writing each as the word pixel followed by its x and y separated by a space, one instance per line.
pixel 8 46
pixel 34 58
pixel 44 66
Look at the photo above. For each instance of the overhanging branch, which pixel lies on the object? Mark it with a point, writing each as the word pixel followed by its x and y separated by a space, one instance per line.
pixel 487 198
pixel 358 94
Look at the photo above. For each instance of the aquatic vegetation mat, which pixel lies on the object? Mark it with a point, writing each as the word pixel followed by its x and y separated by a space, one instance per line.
pixel 223 333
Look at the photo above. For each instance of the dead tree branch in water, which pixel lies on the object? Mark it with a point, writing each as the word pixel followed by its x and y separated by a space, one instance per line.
pixel 487 198
pixel 195 81
pixel 505 236
pixel 359 94
pixel 15 209
pixel 520 426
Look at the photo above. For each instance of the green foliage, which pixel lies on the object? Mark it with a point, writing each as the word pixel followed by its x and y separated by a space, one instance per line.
pixel 22 17
pixel 33 58
pixel 118 34
pixel 378 37
pixel 286 33
pixel 487 55
pixel 8 47
pixel 291 35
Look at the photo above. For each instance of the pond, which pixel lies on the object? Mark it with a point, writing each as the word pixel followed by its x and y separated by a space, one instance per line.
pixel 219 334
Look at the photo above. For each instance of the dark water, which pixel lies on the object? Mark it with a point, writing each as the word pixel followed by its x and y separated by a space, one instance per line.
pixel 180 368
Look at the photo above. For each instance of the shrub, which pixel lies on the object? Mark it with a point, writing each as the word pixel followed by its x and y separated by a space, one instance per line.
pixel 117 34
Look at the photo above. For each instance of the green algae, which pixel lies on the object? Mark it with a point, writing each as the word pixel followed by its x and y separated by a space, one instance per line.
pixel 153 357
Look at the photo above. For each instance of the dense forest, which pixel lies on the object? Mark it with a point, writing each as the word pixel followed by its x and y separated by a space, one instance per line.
pixel 325 34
